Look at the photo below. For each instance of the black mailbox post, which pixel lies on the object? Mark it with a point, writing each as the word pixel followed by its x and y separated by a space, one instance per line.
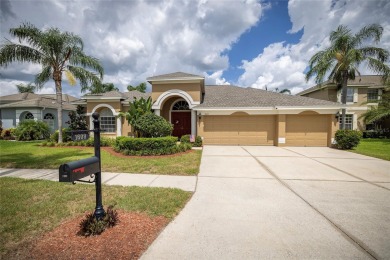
pixel 73 171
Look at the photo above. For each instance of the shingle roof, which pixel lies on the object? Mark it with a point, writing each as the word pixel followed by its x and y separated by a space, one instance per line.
pixel 18 97
pixel 227 96
pixel 116 94
pixel 364 80
pixel 44 102
pixel 175 76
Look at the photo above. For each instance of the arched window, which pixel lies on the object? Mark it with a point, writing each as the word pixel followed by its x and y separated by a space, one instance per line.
pixel 107 120
pixel 181 105
pixel 49 119
pixel 29 116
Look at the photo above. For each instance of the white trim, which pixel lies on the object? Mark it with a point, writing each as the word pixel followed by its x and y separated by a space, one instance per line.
pixel 101 98
pixel 174 92
pixel 118 120
pixel 355 95
pixel 193 122
pixel 281 140
pixel 157 112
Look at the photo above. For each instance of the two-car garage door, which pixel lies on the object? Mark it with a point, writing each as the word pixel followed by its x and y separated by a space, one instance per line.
pixel 300 130
pixel 239 130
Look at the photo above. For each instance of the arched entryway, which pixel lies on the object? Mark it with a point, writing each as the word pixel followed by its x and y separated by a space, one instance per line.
pixel 180 117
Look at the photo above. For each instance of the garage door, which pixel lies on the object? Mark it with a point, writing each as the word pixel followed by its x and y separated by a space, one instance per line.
pixel 307 130
pixel 238 130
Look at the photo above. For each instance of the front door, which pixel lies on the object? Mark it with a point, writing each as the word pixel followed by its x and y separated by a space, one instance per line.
pixel 181 123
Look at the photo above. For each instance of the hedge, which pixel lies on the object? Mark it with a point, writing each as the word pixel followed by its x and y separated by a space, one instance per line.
pixel 149 146
pixel 347 139
pixel 186 139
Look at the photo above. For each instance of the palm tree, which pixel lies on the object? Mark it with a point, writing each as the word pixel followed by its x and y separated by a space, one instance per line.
pixel 342 59
pixel 29 88
pixel 141 87
pixel 98 88
pixel 58 52
pixel 377 113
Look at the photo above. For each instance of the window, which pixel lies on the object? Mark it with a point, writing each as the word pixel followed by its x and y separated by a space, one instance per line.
pixel 372 95
pixel 181 105
pixel 348 122
pixel 29 116
pixel 49 119
pixel 350 92
pixel 107 120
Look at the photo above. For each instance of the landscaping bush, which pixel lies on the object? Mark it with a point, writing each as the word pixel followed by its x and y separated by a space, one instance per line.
pixel 66 135
pixel 29 130
pixel 347 139
pixel 8 134
pixel 186 139
pixel 151 125
pixel 149 146
pixel 379 133
pixel 91 226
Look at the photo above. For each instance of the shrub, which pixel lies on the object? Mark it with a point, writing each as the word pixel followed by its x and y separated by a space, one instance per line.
pixel 66 135
pixel 91 226
pixel 8 134
pixel 186 139
pixel 347 139
pixel 29 130
pixel 379 133
pixel 149 146
pixel 151 125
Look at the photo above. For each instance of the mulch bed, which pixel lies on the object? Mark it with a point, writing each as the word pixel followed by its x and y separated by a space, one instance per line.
pixel 127 240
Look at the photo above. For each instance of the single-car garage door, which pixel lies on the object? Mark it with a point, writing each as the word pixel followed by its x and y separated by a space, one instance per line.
pixel 238 130
pixel 307 130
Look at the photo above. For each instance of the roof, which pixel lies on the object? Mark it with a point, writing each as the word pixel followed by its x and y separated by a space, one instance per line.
pixel 124 96
pixel 364 80
pixel 40 101
pixel 227 96
pixel 175 76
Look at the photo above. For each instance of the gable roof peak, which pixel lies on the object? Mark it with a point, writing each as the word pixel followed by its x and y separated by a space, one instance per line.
pixel 175 76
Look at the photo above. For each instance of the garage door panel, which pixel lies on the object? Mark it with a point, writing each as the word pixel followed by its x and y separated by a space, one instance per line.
pixel 307 130
pixel 239 130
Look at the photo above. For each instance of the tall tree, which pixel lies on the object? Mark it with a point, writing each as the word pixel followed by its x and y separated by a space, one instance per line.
pixel 137 108
pixel 380 112
pixel 29 88
pixel 346 52
pixel 98 88
pixel 59 53
pixel 141 87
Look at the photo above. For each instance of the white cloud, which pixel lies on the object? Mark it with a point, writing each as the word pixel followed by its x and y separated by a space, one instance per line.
pixel 138 39
pixel 216 78
pixel 283 66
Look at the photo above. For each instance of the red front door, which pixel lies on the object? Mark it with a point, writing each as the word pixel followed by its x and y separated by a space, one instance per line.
pixel 181 123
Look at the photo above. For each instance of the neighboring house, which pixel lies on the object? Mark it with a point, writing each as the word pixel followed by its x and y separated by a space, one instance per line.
pixel 223 115
pixel 18 107
pixel 363 92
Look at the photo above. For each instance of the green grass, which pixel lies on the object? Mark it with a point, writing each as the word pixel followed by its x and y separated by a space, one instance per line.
pixel 31 155
pixel 28 208
pixel 379 148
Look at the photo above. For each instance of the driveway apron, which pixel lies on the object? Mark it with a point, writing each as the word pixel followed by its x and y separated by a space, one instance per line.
pixel 271 202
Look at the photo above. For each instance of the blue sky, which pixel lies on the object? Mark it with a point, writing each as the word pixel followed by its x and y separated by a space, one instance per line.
pixel 249 43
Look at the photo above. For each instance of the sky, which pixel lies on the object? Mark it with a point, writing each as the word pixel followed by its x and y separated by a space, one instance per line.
pixel 247 43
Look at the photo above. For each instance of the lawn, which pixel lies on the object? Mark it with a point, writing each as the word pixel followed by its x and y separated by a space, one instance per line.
pixel 30 208
pixel 31 155
pixel 379 148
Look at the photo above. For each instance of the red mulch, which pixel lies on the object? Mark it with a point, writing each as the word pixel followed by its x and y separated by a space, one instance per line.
pixel 127 240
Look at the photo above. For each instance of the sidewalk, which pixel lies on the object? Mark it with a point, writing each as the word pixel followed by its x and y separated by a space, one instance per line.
pixel 187 183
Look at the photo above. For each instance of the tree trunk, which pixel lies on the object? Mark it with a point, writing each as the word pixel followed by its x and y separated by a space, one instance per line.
pixel 57 80
pixel 344 85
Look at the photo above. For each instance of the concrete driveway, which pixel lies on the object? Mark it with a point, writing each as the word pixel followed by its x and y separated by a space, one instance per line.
pixel 294 202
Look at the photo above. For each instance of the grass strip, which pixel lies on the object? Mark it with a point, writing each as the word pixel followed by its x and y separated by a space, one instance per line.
pixel 29 208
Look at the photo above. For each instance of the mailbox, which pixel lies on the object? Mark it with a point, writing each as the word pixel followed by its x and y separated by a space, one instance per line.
pixel 73 171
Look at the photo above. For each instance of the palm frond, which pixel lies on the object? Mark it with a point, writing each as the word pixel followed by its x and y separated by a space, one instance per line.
pixel 84 76
pixel 372 31
pixel 12 52
pixel 43 77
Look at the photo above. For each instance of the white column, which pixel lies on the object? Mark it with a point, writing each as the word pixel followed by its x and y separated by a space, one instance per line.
pixel 193 122
pixel 118 126
pixel 90 122
pixel 157 112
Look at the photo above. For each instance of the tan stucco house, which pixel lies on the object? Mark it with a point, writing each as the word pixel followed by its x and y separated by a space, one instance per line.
pixel 224 115
pixel 363 92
